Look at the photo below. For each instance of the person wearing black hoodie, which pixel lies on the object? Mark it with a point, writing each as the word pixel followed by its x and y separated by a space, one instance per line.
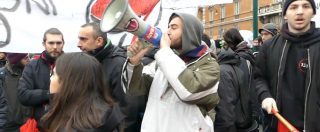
pixel 33 87
pixel 287 72
pixel 235 110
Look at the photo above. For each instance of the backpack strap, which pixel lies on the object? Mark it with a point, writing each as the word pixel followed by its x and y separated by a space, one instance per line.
pixel 241 90
pixel 243 98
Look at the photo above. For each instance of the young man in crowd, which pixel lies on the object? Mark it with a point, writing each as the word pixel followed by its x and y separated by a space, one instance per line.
pixel 183 89
pixel 33 88
pixel 287 71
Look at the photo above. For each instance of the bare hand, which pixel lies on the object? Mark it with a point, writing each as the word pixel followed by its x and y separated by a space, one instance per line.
pixel 165 40
pixel 138 51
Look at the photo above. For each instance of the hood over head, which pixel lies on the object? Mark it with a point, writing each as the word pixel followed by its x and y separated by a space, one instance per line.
pixel 192 31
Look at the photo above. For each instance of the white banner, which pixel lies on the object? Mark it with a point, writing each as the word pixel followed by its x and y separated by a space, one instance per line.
pixel 23 22
pixel 316 18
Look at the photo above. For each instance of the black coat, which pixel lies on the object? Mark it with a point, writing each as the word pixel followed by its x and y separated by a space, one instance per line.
pixel 112 59
pixel 234 111
pixel 2 63
pixel 3 106
pixel 269 75
pixel 33 87
pixel 17 114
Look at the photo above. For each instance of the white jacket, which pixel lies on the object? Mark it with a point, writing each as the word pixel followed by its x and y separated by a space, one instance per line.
pixel 167 110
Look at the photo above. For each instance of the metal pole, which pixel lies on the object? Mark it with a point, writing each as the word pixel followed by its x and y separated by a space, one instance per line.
pixel 255 19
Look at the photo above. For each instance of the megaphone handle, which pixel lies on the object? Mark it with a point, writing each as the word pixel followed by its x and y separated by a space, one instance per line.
pixel 144 44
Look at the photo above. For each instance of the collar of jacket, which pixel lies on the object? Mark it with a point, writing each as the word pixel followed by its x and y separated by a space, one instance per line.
pixel 103 52
pixel 228 57
pixel 307 38
pixel 194 53
pixel 244 51
pixel 48 59
pixel 15 70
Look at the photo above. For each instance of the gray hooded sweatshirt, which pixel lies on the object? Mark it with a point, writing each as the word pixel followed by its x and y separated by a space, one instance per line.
pixel 180 94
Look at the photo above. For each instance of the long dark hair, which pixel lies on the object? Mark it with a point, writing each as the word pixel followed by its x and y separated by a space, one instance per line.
pixel 232 37
pixel 83 98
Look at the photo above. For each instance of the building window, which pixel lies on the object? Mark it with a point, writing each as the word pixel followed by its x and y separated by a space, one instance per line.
pixel 237 7
pixel 223 12
pixel 211 14
pixel 221 31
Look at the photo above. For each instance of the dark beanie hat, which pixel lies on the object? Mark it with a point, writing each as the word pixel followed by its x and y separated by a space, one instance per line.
pixel 288 2
pixel 15 58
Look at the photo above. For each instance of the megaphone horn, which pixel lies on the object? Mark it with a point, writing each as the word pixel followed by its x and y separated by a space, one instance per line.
pixel 119 17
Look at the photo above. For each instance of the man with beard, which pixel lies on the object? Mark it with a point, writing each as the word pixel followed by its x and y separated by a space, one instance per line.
pixel 34 84
pixel 183 90
pixel 287 71
pixel 9 78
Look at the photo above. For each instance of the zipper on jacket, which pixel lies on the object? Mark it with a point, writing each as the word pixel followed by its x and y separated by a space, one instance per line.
pixel 280 65
pixel 307 92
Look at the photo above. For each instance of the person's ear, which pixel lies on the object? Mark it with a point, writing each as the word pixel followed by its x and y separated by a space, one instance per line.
pixel 100 41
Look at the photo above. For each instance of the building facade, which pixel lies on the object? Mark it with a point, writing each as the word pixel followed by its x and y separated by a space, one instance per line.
pixel 271 12
pixel 219 18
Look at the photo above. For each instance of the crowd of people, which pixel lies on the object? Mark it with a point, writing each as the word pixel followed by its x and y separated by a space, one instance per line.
pixel 187 83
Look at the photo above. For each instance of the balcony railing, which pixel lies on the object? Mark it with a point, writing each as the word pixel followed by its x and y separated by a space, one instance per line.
pixel 270 9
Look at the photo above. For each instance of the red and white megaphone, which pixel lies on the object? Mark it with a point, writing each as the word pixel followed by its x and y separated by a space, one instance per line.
pixel 119 17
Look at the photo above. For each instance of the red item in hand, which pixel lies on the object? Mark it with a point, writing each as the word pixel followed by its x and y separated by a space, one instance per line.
pixel 29 126
pixel 283 124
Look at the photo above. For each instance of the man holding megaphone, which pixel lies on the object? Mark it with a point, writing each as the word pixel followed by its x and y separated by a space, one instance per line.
pixel 183 89
pixel 96 43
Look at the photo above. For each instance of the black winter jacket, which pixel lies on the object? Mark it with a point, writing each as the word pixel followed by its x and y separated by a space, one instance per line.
pixel 112 59
pixel 17 113
pixel 270 67
pixel 33 87
pixel 3 62
pixel 234 111
pixel 3 107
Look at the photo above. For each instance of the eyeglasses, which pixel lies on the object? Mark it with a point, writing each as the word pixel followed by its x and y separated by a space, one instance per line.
pixel 55 42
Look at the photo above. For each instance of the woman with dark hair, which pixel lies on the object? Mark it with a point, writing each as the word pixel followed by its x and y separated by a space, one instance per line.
pixel 232 37
pixel 80 101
